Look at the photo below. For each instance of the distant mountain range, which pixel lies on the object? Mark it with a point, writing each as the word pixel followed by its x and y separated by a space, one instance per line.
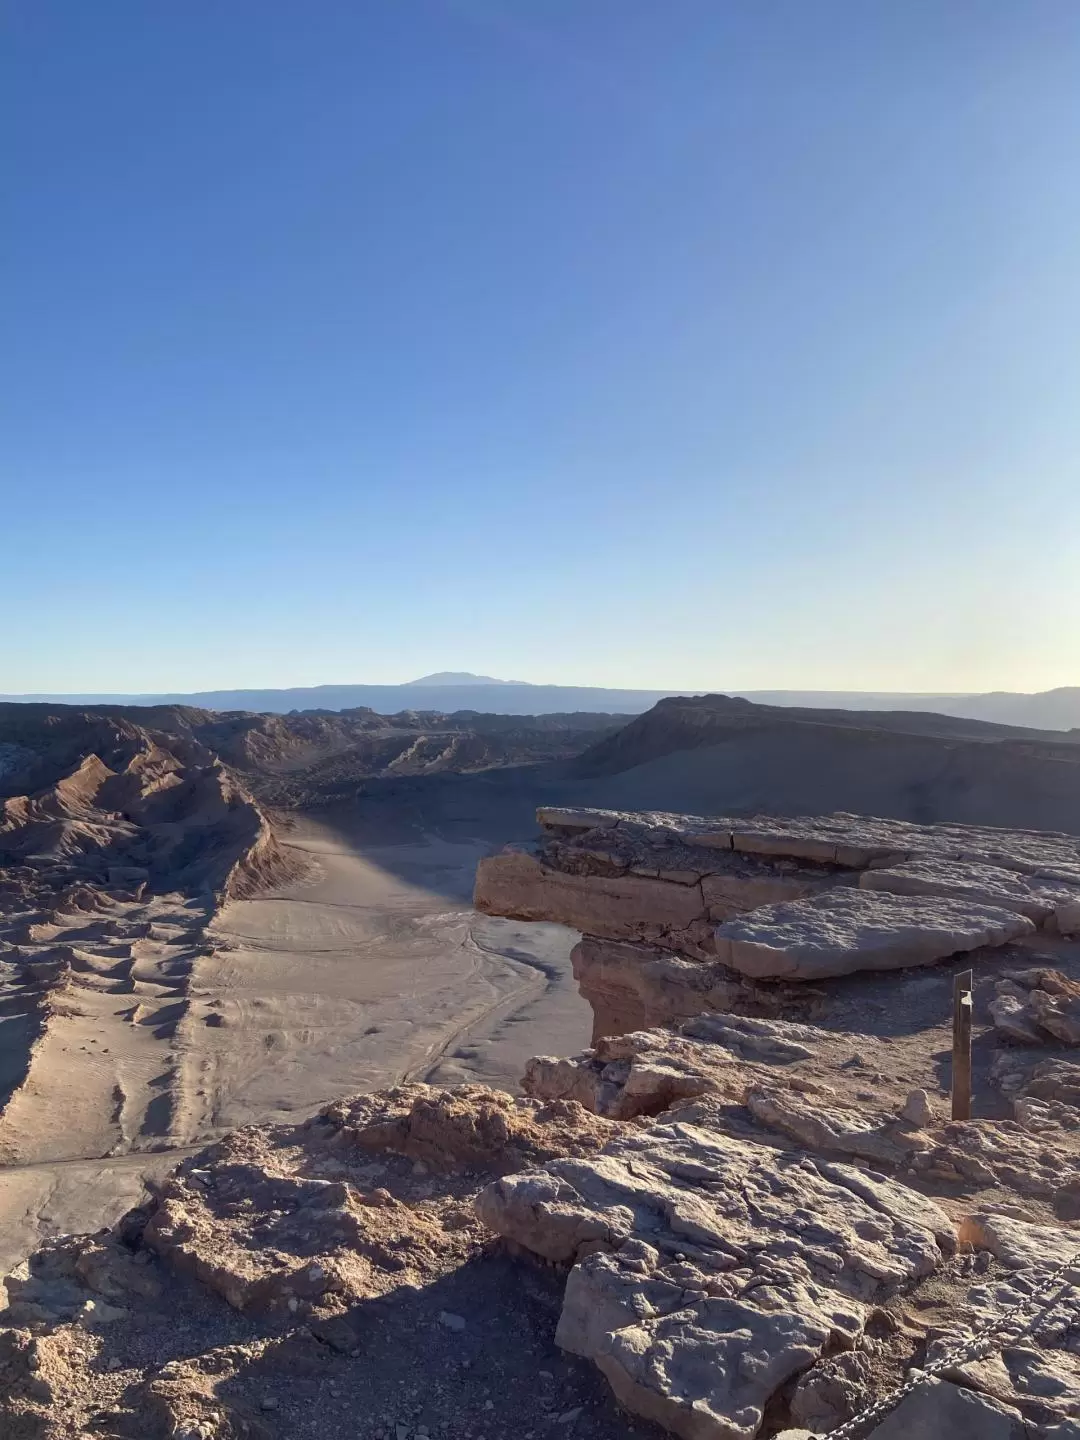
pixel 457 690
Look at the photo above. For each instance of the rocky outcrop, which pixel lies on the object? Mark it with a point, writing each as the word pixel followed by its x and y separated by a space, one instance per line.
pixel 468 1126
pixel 708 1271
pixel 157 809
pixel 768 899
pixel 1037 1007
pixel 633 986
pixel 727 1268
pixel 301 1239
pixel 645 1072
pixel 301 1280
pixel 746 1220
pixel 115 853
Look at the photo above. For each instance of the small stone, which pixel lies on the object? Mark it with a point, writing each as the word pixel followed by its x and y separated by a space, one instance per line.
pixel 268 1402
pixel 569 1416
pixel 451 1321
pixel 917 1109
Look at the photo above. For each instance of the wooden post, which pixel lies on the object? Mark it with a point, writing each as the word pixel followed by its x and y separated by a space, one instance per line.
pixel 961 1045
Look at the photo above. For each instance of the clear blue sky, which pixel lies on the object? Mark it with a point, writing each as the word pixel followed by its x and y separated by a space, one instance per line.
pixel 717 343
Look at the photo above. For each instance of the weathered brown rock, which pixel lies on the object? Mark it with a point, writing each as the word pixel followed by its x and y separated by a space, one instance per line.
pixel 636 987
pixel 692 1245
pixel 468 1125
pixel 619 907
pixel 1037 1007
pixel 644 1072
pixel 271 1238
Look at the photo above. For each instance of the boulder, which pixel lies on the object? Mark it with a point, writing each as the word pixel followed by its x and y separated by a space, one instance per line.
pixel 689 1245
pixel 1037 1007
pixel 917 1110
pixel 1012 1017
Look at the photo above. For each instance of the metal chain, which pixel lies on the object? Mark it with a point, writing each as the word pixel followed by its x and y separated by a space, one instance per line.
pixel 968 1349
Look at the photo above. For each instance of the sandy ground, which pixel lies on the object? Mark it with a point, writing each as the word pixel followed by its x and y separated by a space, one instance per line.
pixel 372 969
pixel 364 975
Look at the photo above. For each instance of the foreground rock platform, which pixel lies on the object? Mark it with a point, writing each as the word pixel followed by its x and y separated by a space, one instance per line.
pixel 712 1270
pixel 725 1246
pixel 747 1217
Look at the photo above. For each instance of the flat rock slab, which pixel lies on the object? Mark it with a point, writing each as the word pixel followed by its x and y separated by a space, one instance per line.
pixel 708 1270
pixel 844 839
pixel 845 930
pixel 1038 899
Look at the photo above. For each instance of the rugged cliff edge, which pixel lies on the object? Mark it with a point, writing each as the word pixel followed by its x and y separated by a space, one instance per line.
pixel 772 899
pixel 751 1218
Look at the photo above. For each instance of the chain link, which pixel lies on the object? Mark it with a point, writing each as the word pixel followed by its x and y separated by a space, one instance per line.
pixel 971 1348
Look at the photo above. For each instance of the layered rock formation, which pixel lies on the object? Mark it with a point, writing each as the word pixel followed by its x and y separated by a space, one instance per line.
pixel 107 801
pixel 771 899
pixel 117 844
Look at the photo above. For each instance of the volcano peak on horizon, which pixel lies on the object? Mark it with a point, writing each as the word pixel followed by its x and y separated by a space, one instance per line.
pixel 461 677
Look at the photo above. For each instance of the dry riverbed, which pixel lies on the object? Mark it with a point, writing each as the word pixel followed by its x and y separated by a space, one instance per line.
pixel 179 1025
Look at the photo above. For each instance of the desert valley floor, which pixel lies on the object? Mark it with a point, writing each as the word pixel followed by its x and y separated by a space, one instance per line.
pixel 369 968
